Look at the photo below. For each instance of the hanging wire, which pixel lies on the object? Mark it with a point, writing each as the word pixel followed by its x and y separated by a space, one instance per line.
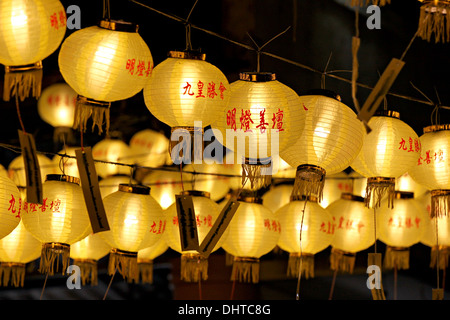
pixel 297 293
pixel 106 10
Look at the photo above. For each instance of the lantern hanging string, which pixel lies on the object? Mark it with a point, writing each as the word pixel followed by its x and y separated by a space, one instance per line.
pixel 295 63
pixel 18 113
pixel 297 294
pixel 109 285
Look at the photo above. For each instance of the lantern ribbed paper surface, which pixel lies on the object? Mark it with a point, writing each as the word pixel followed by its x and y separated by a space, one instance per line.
pixel 389 151
pixel 10 206
pixel 317 232
pixel 262 117
pixel 17 249
pixel 146 257
pixel 194 267
pixel 400 228
pixel 253 232
pixel 61 220
pixel 136 221
pixel 16 169
pixel 149 148
pixel 29 32
pixel 432 169
pixel 114 151
pixel 353 230
pixel 104 63
pixel 331 139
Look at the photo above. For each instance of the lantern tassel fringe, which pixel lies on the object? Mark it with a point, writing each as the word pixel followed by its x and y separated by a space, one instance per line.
pixel 396 257
pixel 309 181
pixel 88 269
pixel 14 272
pixel 146 271
pixel 375 192
pixel 444 254
pixel 362 3
pixel 125 263
pixel 434 19
pixel 50 253
pixel 193 268
pixel 343 261
pixel 22 83
pixel 245 270
pixel 440 205
pixel 85 111
pixel 307 265
pixel 257 174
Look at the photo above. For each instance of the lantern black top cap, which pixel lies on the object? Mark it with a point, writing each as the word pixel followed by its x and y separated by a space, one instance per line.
pixel 119 25
pixel 388 113
pixel 257 76
pixel 323 92
pixel 134 188
pixel 190 54
pixel 62 177
pixel 436 127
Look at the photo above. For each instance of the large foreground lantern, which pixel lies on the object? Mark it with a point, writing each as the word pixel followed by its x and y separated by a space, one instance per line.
pixel 389 151
pixel 331 139
pixel 10 206
pixel 262 117
pixel 104 63
pixel 29 32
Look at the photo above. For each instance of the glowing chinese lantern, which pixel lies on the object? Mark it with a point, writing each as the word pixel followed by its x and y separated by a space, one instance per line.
pixel 149 148
pixel 330 141
pixel 389 151
pixel 147 256
pixel 111 153
pixel 104 63
pixel 16 169
pixel 16 250
pixel 433 20
pixel 111 184
pixel 432 169
pixel 262 117
pixel 285 171
pixel 30 32
pixel 194 267
pixel 165 185
pixel 335 185
pixel 3 171
pixel 253 232
pixel 353 230
pixel 277 197
pixel 56 106
pixel 406 183
pixel 60 221
pixel 359 183
pixel 10 206
pixel 136 221
pixel 303 218
pixel 399 228
pixel 66 164
pixel 85 254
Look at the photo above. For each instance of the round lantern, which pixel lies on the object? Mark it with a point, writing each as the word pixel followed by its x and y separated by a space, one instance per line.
pixel 433 20
pixel 30 32
pixel 136 222
pixel 406 183
pixel 262 117
pixel 10 206
pixel 66 165
pixel 353 230
pixel 331 139
pixel 432 169
pixel 16 169
pixel 253 232
pixel 277 197
pixel 389 151
pixel 111 184
pixel 16 250
pixel 194 267
pixel 399 228
pixel 285 171
pixel 111 153
pixel 149 148
pixel 165 185
pixel 146 257
pixel 304 219
pixel 104 63
pixel 60 221
pixel 335 185
pixel 86 253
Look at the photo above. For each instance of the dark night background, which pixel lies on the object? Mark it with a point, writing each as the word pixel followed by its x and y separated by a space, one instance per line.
pixel 319 28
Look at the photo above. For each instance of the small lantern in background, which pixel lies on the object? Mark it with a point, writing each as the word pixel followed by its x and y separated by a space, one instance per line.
pixel 111 153
pixel 306 229
pixel 85 254
pixel 66 164
pixel 104 63
pixel 111 184
pixel 56 106
pixel 10 206
pixel 262 117
pixel 406 183
pixel 16 169
pixel 136 222
pixel 389 151
pixel 335 185
pixel 331 139
pixel 147 256
pixel 277 197
pixel 433 21
pixel 30 32
pixel 253 232
pixel 60 221
pixel 16 250
pixel 194 267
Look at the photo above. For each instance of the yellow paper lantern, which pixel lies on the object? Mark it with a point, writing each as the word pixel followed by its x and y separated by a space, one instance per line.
pixel 194 267
pixel 432 168
pixel 277 197
pixel 406 183
pixel 353 230
pixel 262 117
pixel 433 20
pixel 10 206
pixel 85 254
pixel 111 153
pixel 66 164
pixel 111 184
pixel 303 218
pixel 30 32
pixel 146 257
pixel 136 221
pixel 149 148
pixel 104 63
pixel 253 232
pixel 399 228
pixel 16 169
pixel 285 171
pixel 335 185
pixel 165 185
pixel 16 250
pixel 331 139
pixel 60 221
pixel 389 151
